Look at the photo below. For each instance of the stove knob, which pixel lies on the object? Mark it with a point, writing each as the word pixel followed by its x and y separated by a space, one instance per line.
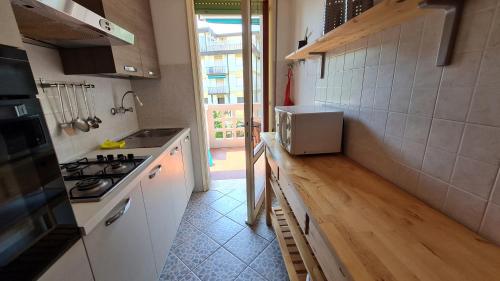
pixel 110 157
pixel 130 156
pixel 120 156
pixel 100 158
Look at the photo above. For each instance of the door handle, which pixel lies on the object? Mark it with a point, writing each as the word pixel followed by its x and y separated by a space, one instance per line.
pixel 174 151
pixel 120 213
pixel 155 172
pixel 186 139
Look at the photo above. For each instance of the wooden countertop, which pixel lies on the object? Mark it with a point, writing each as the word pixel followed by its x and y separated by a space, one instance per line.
pixel 377 230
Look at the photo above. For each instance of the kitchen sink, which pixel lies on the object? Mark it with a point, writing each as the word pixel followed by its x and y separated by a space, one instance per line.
pixel 150 137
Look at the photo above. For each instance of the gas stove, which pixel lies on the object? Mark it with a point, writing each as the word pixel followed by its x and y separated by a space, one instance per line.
pixel 90 180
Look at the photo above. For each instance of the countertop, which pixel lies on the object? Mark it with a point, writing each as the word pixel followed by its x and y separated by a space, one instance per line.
pixel 377 230
pixel 89 214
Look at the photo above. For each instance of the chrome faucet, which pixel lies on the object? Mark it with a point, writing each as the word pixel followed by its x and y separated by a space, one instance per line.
pixel 122 109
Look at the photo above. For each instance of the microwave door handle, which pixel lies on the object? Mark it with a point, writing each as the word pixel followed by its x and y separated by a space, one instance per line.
pixel 282 127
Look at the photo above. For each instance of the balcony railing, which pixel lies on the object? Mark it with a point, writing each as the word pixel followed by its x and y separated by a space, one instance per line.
pixel 226 127
pixel 218 90
pixel 218 69
pixel 219 47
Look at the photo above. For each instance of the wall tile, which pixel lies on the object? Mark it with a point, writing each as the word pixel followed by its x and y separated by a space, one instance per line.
pixel 474 176
pixel 494 40
pixel 367 97
pixel 465 208
pixel 392 146
pixel 382 98
pixel 395 124
pixel 463 71
pixel 408 179
pixel 474 30
pixel 485 105
pixel 422 101
pixel 453 103
pixel 481 143
pixel 400 99
pixel 479 5
pixel 446 135
pixel 432 191
pixel 373 55
pixel 349 61
pixel 355 97
pixel 412 31
pixel 357 78
pixel 385 75
pixel 491 225
pixel 417 128
pixel 370 77
pixel 360 58
pixel 413 153
pixel 495 197
pixel 438 163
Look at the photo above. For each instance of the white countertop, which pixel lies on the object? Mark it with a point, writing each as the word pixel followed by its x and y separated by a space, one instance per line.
pixel 90 214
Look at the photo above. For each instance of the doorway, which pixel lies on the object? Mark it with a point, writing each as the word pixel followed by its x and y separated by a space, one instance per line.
pixel 232 59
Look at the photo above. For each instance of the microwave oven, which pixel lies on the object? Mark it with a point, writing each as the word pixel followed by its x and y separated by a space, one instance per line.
pixel 310 129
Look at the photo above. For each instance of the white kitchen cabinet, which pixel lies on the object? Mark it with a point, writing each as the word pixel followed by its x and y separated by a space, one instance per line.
pixel 119 248
pixel 187 159
pixel 165 200
pixel 73 263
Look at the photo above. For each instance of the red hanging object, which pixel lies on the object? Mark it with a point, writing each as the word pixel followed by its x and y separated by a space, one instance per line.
pixel 288 91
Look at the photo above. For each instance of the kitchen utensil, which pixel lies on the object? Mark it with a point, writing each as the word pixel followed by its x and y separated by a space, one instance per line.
pixel 66 125
pixel 78 123
pixel 96 119
pixel 90 120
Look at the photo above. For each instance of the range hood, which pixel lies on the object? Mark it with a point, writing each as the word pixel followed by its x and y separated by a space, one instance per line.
pixel 67 24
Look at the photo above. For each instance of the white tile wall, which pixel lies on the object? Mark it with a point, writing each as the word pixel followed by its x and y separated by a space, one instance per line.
pixel 45 63
pixel 434 131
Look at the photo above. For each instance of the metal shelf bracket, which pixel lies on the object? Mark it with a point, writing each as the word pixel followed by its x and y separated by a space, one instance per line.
pixel 323 60
pixel 453 14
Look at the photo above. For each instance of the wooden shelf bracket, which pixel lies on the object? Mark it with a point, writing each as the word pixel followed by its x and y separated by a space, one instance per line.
pixel 453 14
pixel 323 61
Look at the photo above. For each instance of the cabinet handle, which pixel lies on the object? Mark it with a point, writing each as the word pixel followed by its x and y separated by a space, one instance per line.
pixel 174 151
pixel 155 171
pixel 186 139
pixel 130 68
pixel 120 213
pixel 151 73
pixel 306 231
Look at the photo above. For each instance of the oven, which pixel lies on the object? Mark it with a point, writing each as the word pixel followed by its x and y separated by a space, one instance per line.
pixel 37 224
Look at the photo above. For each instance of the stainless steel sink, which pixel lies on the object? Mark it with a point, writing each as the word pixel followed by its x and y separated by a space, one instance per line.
pixel 150 137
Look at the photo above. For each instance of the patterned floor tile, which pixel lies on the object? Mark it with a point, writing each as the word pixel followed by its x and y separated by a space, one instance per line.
pixel 186 232
pixel 221 266
pixel 239 194
pixel 246 245
pixel 270 263
pixel 190 277
pixel 222 230
pixel 206 197
pixel 250 275
pixel 239 214
pixel 174 269
pixel 195 251
pixel 227 186
pixel 203 217
pixel 261 228
pixel 225 204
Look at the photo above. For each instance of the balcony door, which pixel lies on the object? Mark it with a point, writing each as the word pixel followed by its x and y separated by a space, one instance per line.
pixel 255 69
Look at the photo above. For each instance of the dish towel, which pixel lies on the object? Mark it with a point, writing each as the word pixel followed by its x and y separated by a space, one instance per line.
pixel 288 90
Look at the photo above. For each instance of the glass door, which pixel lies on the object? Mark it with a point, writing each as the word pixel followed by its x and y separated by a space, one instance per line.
pixel 254 26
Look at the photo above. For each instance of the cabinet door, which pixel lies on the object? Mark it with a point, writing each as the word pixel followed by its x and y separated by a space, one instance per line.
pixel 9 32
pixel 159 199
pixel 187 159
pixel 119 248
pixel 146 42
pixel 73 263
pixel 175 170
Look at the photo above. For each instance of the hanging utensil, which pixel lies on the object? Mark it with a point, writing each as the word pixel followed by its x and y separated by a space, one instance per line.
pixel 66 125
pixel 90 120
pixel 96 119
pixel 77 121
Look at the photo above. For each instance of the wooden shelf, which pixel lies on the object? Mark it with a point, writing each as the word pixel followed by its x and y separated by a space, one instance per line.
pixel 386 14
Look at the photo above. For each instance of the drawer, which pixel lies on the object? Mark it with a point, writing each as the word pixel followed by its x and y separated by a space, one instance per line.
pixel 330 264
pixel 272 163
pixel 294 201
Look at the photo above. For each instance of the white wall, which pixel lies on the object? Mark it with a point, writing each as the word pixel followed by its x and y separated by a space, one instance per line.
pixel 170 101
pixel 46 63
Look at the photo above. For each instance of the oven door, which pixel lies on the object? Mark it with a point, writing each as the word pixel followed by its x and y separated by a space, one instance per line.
pixel 34 207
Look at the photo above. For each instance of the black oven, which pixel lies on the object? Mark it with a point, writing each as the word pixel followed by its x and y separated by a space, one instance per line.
pixel 37 224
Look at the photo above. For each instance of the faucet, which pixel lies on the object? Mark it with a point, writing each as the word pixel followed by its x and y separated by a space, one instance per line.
pixel 122 109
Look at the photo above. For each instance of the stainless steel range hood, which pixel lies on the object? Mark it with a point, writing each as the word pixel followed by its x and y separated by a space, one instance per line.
pixel 67 24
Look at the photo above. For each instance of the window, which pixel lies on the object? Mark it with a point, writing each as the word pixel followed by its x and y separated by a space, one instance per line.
pixel 220 100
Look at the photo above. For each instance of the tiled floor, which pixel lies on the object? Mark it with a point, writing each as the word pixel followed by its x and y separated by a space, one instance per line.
pixel 213 242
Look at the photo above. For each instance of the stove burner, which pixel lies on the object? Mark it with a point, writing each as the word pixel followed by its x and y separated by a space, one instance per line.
pixel 90 183
pixel 117 165
pixel 71 167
